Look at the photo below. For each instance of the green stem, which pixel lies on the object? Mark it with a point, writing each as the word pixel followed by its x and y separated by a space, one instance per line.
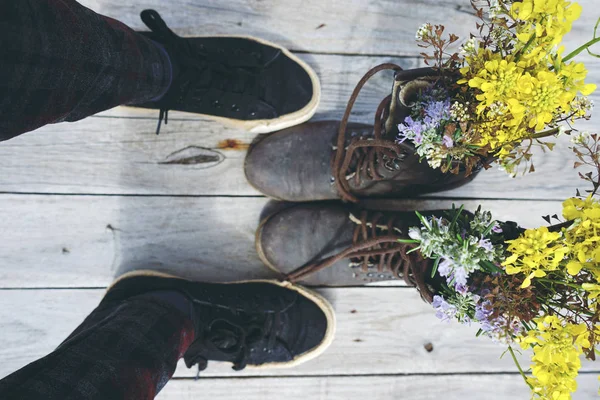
pixel 546 133
pixel 560 283
pixel 512 353
pixel 539 135
pixel 580 49
pixel 520 52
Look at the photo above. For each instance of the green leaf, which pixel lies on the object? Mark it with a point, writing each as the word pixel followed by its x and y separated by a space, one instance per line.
pixel 489 228
pixel 479 332
pixel 490 267
pixel 435 266
pixel 460 210
pixel 410 241
pixel 423 220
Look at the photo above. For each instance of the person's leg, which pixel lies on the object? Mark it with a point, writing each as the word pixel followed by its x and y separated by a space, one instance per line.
pixel 61 61
pixel 128 348
pixel 125 350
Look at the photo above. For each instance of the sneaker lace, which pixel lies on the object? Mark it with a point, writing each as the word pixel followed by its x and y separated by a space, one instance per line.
pixel 193 62
pixel 375 243
pixel 235 337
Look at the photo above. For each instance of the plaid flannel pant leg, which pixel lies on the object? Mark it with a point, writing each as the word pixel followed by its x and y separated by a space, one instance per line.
pixel 127 350
pixel 60 61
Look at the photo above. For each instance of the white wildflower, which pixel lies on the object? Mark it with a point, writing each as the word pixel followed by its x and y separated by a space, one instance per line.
pixel 561 130
pixel 423 31
pixel 414 233
pixel 495 9
pixel 459 111
pixel 470 47
pixel 581 138
pixel 583 107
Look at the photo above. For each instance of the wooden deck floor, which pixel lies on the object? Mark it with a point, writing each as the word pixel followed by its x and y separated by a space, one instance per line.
pixel 81 203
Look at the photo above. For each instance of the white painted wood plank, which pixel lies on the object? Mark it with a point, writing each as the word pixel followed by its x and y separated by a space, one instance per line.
pixel 379 331
pixel 84 241
pixel 453 387
pixel 100 155
pixel 355 26
pixel 123 156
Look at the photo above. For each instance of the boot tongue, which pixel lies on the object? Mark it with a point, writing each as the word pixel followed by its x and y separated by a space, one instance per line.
pixel 403 95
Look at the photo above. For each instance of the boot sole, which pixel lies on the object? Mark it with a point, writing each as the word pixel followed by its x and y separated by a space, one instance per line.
pixel 258 245
pixel 316 298
pixel 276 124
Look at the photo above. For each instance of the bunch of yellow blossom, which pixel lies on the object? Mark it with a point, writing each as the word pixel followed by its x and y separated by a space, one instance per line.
pixel 539 251
pixel 537 287
pixel 534 253
pixel 568 260
pixel 557 347
pixel 520 82
pixel 583 237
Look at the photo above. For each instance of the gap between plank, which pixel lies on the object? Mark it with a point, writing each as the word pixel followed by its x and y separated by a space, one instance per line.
pixel 257 196
pixel 389 375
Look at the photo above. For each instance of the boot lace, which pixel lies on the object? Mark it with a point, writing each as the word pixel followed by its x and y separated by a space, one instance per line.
pixel 375 244
pixel 359 158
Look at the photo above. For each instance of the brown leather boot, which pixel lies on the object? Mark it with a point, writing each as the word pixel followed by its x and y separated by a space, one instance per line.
pixel 340 245
pixel 333 160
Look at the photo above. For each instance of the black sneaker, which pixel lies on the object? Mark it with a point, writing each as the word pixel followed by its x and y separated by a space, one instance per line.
pixel 244 82
pixel 258 323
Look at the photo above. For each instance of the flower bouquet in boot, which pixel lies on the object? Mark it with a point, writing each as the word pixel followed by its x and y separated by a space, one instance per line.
pixel 532 288
pixel 508 88
pixel 535 288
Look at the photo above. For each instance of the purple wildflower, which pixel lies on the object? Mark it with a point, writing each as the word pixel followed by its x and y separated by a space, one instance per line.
pixel 459 276
pixel 412 130
pixel 496 228
pixel 453 273
pixel 483 311
pixel 462 289
pixel 448 142
pixel 445 267
pixel 495 328
pixel 444 310
pixel 437 111
pixel 486 244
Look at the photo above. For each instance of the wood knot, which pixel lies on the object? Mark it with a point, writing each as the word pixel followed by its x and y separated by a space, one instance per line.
pixel 232 144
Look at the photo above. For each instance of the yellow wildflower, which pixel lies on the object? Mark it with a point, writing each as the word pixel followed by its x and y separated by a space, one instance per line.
pixel 550 19
pixel 583 238
pixel 573 75
pixel 534 253
pixel 547 95
pixel 594 292
pixel 531 87
pixel 557 348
